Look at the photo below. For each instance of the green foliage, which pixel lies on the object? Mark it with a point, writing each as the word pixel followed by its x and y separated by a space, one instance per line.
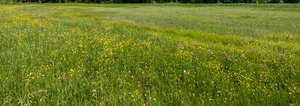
pixel 176 54
pixel 274 1
pixel 291 1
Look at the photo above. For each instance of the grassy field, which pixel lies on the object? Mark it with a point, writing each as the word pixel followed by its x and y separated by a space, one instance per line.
pixel 150 54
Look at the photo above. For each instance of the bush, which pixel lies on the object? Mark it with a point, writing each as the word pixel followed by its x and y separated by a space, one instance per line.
pixel 274 1
pixel 210 1
pixel 291 1
pixel 226 1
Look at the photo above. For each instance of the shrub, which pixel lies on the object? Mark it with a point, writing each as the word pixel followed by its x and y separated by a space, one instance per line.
pixel 291 1
pixel 274 1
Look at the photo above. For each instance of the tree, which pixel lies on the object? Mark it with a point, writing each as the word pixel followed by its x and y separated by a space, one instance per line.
pixel 291 1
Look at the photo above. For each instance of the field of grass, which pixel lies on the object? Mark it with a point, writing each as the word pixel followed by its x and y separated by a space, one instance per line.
pixel 150 54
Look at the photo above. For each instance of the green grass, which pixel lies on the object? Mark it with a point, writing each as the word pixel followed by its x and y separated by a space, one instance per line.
pixel 149 54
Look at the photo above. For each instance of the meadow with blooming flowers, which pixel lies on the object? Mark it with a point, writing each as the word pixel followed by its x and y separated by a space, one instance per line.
pixel 150 54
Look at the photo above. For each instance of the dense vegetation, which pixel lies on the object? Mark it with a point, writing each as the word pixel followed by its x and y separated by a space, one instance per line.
pixel 150 1
pixel 158 54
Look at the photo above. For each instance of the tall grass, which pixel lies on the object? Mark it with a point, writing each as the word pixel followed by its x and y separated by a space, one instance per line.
pixel 79 56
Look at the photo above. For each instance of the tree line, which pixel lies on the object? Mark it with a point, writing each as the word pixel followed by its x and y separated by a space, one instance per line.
pixel 149 1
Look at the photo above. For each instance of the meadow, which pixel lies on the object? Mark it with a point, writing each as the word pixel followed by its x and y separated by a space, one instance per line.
pixel 150 54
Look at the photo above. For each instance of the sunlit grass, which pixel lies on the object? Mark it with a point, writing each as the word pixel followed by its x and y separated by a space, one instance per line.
pixel 97 55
